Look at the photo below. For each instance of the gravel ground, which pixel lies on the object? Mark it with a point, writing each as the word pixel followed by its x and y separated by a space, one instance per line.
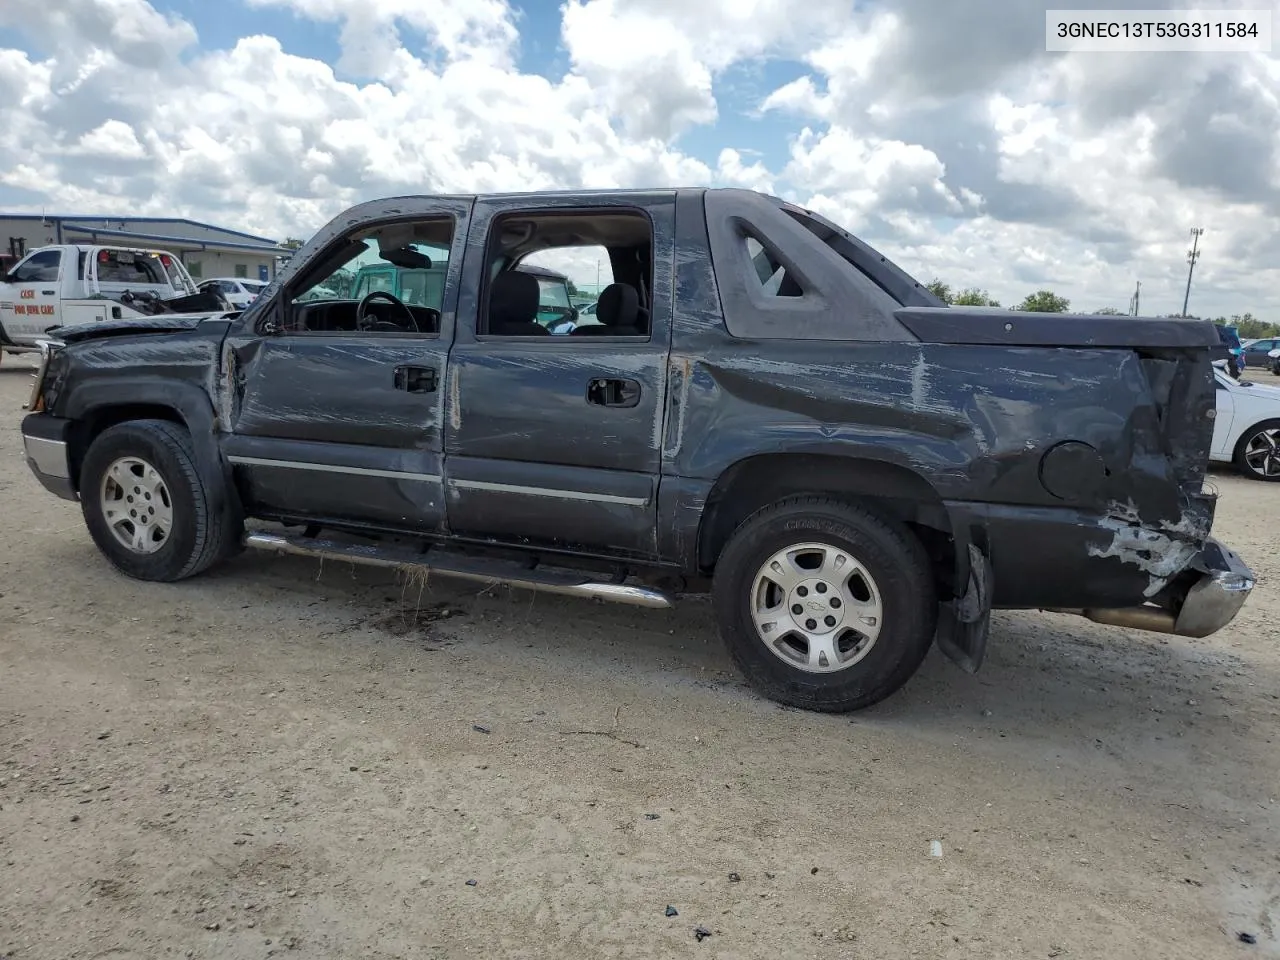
pixel 283 759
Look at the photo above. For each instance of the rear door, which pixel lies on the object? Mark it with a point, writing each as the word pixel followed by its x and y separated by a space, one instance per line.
pixel 555 440
pixel 32 302
pixel 339 424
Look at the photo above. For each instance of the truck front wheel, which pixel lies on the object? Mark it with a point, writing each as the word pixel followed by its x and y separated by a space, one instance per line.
pixel 146 505
pixel 824 605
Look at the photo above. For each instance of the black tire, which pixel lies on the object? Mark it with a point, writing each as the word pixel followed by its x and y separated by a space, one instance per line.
pixel 893 557
pixel 199 536
pixel 1238 456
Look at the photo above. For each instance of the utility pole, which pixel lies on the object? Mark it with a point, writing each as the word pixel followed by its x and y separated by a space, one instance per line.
pixel 1135 300
pixel 1192 256
pixel 597 276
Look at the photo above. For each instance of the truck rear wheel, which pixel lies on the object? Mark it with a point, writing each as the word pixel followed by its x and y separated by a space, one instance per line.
pixel 824 605
pixel 146 505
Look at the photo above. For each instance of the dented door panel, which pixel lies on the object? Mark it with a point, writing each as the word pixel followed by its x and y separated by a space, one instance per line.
pixel 321 430
pixel 342 426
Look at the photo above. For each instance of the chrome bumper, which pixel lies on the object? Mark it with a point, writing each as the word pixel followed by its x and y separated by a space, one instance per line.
pixel 1222 586
pixel 47 458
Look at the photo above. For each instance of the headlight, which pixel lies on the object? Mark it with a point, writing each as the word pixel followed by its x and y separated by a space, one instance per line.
pixel 48 348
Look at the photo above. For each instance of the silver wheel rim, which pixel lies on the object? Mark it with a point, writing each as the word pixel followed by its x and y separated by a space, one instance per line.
pixel 1262 452
pixel 136 505
pixel 840 608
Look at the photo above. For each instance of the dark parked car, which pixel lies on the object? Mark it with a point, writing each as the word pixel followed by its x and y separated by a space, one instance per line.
pixel 767 409
pixel 1257 353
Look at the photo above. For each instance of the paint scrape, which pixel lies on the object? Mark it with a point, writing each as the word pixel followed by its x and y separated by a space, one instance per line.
pixel 1158 555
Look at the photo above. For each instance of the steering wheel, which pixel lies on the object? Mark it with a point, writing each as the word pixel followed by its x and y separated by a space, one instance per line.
pixel 362 313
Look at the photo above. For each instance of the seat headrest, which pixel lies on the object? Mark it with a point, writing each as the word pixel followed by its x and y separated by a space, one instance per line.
pixel 619 306
pixel 513 298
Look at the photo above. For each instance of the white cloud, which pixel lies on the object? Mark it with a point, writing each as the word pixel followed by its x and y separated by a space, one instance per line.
pixel 732 171
pixel 113 139
pixel 372 34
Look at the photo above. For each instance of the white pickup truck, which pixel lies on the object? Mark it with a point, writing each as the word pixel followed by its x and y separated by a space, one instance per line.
pixel 67 284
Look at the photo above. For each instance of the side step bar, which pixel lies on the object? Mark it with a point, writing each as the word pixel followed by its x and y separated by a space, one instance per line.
pixel 467 568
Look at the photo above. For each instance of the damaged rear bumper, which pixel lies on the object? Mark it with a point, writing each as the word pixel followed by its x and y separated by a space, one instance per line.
pixel 1215 586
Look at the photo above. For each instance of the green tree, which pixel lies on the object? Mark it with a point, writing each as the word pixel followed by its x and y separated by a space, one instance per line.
pixel 973 297
pixel 292 243
pixel 341 282
pixel 1108 312
pixel 939 289
pixel 1045 301
pixel 573 288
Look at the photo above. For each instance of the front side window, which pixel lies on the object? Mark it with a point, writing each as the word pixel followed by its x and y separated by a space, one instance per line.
pixel 42 267
pixel 406 262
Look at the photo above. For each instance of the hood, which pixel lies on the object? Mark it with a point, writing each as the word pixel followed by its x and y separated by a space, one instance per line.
pixel 1253 388
pixel 96 329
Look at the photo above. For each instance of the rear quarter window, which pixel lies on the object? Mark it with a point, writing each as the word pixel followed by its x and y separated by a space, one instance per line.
pixel 777 280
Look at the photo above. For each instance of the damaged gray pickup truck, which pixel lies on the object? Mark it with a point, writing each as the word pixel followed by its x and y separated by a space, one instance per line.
pixel 765 409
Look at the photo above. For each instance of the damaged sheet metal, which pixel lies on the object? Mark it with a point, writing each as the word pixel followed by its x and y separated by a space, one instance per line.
pixel 1154 552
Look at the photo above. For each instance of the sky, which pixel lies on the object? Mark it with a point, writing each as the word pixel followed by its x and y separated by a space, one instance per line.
pixel 939 131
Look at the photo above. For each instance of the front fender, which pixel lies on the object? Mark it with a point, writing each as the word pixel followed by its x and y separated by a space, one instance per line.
pixel 90 399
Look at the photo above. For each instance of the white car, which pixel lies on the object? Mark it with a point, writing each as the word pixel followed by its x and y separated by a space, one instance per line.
pixel 1246 427
pixel 239 291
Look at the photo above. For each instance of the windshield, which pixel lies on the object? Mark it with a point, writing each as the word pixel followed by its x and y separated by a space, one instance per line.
pixel 366 272
pixel 553 293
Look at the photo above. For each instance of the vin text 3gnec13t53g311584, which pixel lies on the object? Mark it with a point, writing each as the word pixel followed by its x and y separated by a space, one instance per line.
pixel 761 406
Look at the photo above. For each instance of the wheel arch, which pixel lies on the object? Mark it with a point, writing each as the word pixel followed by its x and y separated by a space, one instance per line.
pixel 1237 448
pixel 95 406
pixel 891 489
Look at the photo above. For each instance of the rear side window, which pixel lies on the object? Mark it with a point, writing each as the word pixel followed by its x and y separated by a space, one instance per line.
pixel 125 266
pixel 774 279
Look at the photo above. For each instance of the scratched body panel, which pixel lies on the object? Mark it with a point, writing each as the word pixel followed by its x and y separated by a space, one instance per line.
pixel 974 417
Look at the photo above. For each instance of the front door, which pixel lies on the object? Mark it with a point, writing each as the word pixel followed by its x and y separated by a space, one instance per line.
pixel 338 403
pixel 32 302
pixel 554 440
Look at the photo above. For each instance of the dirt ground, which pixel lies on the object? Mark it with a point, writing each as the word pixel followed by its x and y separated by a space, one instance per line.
pixel 279 759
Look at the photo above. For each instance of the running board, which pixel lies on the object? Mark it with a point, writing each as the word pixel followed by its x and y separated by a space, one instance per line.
pixel 467 568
